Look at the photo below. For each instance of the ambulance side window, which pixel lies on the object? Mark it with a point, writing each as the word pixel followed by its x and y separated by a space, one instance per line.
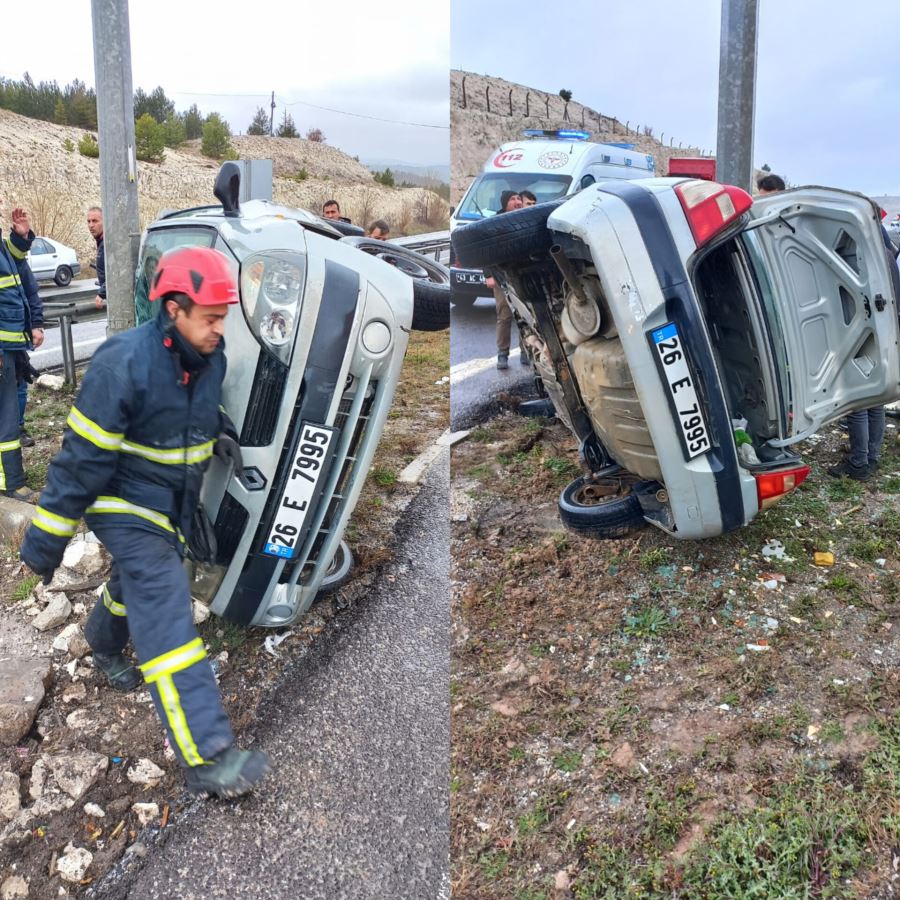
pixel 586 181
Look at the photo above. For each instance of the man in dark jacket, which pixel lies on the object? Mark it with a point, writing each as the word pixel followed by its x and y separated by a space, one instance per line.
pixel 139 439
pixel 24 371
pixel 95 226
pixel 15 333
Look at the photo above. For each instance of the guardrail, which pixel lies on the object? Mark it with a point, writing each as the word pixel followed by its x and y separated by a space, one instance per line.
pixel 435 244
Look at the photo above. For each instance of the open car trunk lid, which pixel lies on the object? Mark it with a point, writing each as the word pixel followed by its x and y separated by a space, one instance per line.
pixel 829 295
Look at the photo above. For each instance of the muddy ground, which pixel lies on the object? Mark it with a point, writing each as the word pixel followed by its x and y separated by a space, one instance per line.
pixel 125 728
pixel 653 718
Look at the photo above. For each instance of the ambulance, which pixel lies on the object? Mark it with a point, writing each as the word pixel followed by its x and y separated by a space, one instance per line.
pixel 550 164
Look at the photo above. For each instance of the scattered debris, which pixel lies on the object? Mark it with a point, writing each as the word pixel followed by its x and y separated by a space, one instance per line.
pixel 14 888
pixel 92 809
pixel 10 801
pixel 774 549
pixel 201 612
pixel 273 640
pixel 823 558
pixel 57 610
pixel 146 812
pixel 73 864
pixel 145 771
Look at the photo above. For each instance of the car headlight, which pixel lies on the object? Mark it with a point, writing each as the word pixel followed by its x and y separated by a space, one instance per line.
pixel 271 291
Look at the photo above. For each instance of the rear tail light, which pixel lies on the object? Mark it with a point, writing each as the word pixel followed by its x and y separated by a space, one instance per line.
pixel 710 206
pixel 772 486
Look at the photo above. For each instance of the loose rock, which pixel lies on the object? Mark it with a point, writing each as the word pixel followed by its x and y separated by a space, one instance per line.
pixel 145 771
pixel 74 863
pixel 92 809
pixel 51 382
pixel 22 686
pixel 10 800
pixel 85 558
pixel 146 812
pixel 55 613
pixel 14 888
pixel 201 613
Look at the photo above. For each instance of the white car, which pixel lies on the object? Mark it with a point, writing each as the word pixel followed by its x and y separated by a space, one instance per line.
pixel 52 261
pixel 690 336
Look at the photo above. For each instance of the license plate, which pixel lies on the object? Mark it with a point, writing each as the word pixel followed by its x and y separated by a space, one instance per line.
pixel 680 382
pixel 469 277
pixel 307 471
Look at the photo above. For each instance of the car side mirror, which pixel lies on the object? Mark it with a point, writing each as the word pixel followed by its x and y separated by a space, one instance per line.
pixel 227 189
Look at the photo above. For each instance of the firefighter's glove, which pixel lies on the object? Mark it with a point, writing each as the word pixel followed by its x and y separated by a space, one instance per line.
pixel 24 370
pixel 229 451
pixel 42 552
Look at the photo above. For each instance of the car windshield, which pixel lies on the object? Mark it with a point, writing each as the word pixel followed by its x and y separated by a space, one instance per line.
pixel 483 199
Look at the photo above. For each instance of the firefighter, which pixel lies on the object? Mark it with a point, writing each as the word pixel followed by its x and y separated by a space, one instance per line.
pixel 15 332
pixel 140 436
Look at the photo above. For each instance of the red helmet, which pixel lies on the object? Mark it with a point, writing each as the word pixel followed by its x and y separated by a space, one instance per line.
pixel 200 272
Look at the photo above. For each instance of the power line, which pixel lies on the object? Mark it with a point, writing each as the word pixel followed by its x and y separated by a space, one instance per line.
pixel 344 112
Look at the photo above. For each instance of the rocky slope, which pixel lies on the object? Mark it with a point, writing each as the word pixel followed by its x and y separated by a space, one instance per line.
pixel 58 186
pixel 485 112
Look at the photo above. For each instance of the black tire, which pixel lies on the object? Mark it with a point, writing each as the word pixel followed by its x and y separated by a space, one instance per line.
pixel 586 509
pixel 63 276
pixel 339 571
pixel 431 306
pixel 431 281
pixel 512 237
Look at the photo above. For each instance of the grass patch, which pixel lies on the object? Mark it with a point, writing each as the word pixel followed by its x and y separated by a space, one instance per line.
pixel 569 761
pixel 533 821
pixel 654 558
pixel 24 588
pixel 220 635
pixel 384 477
pixel 648 623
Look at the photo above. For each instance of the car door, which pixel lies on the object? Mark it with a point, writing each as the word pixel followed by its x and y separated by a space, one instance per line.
pixel 42 259
pixel 831 302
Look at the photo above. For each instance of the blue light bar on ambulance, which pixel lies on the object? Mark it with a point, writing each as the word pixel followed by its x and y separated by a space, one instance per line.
pixel 557 134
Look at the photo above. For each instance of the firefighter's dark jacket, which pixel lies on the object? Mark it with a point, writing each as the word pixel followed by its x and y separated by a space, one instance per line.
pixel 137 442
pixel 18 312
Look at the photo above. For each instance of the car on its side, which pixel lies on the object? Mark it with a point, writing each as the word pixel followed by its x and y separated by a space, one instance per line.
pixel 691 337
pixel 314 357
pixel 51 260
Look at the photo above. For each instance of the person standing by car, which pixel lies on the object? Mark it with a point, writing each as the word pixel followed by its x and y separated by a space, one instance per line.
pixel 24 371
pixel 125 466
pixel 509 200
pixel 95 226
pixel 379 230
pixel 17 286
pixel 331 209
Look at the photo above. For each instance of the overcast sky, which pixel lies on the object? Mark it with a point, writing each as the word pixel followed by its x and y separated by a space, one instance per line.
pixel 828 80
pixel 361 57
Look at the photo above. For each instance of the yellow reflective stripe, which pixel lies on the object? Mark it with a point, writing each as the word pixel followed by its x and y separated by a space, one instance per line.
pixel 54 524
pixel 91 431
pixel 12 337
pixel 11 445
pixel 117 609
pixel 171 455
pixel 118 505
pixel 9 281
pixel 16 252
pixel 2 474
pixel 174 660
pixel 178 725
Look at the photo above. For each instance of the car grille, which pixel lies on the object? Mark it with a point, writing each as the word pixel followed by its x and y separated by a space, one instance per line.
pixel 230 523
pixel 343 421
pixel 265 402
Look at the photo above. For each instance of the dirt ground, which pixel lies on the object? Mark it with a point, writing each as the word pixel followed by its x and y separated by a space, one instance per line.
pixel 653 718
pixel 125 728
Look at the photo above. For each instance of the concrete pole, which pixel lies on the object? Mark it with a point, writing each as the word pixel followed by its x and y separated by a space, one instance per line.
pixel 118 162
pixel 737 92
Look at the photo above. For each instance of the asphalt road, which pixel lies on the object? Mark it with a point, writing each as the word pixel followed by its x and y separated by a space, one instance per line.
pixel 357 805
pixel 475 380
pixel 86 338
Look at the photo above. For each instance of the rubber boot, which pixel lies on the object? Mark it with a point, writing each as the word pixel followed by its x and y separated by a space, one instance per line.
pixel 119 671
pixel 535 409
pixel 25 494
pixel 229 774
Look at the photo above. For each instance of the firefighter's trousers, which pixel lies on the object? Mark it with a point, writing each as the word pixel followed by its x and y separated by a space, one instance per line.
pixel 148 598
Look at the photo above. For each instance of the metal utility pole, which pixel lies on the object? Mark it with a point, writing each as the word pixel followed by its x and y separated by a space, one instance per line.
pixel 272 117
pixel 737 93
pixel 118 161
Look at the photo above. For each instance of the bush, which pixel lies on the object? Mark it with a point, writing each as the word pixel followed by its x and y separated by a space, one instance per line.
pixel 386 178
pixel 287 129
pixel 302 175
pixel 68 145
pixel 316 135
pixel 175 134
pixel 149 139
pixel 216 137
pixel 88 146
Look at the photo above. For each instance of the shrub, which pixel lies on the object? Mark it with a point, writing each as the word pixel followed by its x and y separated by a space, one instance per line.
pixel 316 135
pixel 216 137
pixel 149 139
pixel 174 132
pixel 88 146
pixel 69 145
pixel 287 128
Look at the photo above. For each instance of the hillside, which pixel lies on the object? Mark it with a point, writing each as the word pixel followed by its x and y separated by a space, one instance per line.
pixel 475 131
pixel 58 186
